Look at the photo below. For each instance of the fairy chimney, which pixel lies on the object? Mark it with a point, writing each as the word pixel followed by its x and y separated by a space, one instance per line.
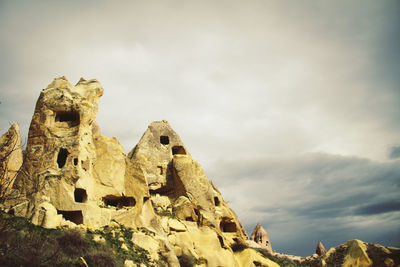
pixel 260 236
pixel 320 250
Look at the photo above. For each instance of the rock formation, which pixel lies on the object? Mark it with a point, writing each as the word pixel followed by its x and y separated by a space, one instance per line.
pixel 72 173
pixel 260 237
pixel 75 177
pixel 157 197
pixel 10 161
pixel 320 250
pixel 361 254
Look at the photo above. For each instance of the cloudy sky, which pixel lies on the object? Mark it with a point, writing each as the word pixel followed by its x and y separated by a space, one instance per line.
pixel 291 107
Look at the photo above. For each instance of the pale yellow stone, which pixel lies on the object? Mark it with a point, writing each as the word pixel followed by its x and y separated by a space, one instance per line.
pixel 356 254
pixel 99 239
pixel 176 225
pixel 148 243
pixel 124 247
pixel 249 256
pixel 129 263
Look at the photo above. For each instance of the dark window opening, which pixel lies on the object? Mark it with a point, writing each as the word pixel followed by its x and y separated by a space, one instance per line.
pixel 62 157
pixel 189 219
pixel 178 150
pixel 221 241
pixel 75 161
pixel 216 201
pixel 74 216
pixel 119 202
pixel 164 139
pixel 80 195
pixel 160 169
pixel 71 117
pixel 227 226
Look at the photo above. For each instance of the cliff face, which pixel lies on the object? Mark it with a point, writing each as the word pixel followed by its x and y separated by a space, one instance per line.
pixel 75 177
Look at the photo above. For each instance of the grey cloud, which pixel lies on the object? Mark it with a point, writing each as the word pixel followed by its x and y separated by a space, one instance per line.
pixel 378 208
pixel 312 197
pixel 248 87
pixel 394 152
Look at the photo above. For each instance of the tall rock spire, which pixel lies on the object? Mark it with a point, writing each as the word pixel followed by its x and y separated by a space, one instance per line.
pixel 320 250
pixel 260 236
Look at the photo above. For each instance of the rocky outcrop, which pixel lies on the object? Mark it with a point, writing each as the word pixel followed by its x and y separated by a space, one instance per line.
pixel 362 254
pixel 72 174
pixel 260 237
pixel 10 161
pixel 75 177
pixel 320 250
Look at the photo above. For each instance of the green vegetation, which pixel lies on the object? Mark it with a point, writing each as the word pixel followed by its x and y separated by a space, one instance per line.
pixel 290 263
pixel 165 212
pixel 24 244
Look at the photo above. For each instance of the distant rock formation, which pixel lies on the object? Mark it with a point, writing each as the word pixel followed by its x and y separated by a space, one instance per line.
pixel 10 160
pixel 260 236
pixel 362 254
pixel 320 250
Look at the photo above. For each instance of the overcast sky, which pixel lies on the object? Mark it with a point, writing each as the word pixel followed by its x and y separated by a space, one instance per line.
pixel 291 107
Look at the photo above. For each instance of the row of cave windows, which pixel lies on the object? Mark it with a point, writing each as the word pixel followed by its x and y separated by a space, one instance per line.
pixel 164 140
pixel 72 118
pixel 76 217
pixel 63 154
pixel 80 196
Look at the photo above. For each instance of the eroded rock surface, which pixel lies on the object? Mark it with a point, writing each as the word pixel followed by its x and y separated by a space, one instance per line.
pixel 10 161
pixel 75 177
pixel 260 236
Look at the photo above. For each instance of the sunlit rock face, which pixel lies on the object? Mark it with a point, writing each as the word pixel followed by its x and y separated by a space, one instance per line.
pixel 173 175
pixel 82 176
pixel 260 237
pixel 75 177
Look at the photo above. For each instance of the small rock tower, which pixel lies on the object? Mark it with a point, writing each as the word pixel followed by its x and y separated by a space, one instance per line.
pixel 260 236
pixel 320 250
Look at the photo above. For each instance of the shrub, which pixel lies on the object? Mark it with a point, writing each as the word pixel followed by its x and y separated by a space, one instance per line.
pixel 187 260
pixel 100 259
pixel 73 243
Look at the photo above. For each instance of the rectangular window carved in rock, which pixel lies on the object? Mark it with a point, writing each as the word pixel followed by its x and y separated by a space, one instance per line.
pixel 164 139
pixel 67 118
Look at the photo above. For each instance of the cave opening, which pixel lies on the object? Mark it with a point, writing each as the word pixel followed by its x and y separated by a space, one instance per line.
pixel 72 118
pixel 178 150
pixel 80 195
pixel 62 157
pixel 216 201
pixel 227 226
pixel 74 216
pixel 164 139
pixel 119 201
